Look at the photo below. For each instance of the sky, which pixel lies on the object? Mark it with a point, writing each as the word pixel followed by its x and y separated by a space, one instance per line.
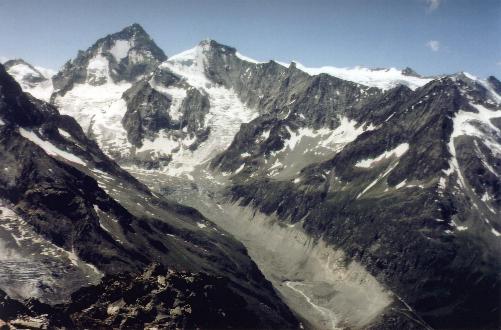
pixel 430 36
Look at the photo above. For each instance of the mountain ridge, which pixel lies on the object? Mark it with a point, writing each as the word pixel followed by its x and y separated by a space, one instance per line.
pixel 349 164
pixel 81 217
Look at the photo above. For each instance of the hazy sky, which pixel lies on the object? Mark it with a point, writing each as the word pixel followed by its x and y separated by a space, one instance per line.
pixel 431 36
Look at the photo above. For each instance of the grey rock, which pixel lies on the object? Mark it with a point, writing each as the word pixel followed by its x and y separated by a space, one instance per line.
pixel 142 57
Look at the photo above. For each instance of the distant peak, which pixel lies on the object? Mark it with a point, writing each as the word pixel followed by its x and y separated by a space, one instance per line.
pixel 213 45
pixel 32 71
pixel 17 61
pixel 494 83
pixel 410 72
pixel 121 56
pixel 205 42
pixel 136 26
pixel 134 29
pixel 130 32
pixel 493 79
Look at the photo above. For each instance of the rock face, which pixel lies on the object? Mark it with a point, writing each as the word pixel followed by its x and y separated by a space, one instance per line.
pixel 427 170
pixel 150 109
pixel 123 56
pixel 70 215
pixel 159 297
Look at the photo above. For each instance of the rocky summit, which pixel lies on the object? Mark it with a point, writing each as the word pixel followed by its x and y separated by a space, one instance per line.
pixel 210 190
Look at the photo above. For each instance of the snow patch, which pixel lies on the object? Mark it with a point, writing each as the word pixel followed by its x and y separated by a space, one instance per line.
pixel 401 184
pixel 98 69
pixel 64 133
pixel 238 170
pixel 346 132
pixel 247 59
pixel 41 90
pixel 120 49
pixel 49 148
pixel 398 151
pixel 176 95
pixel 99 110
pixel 373 183
pixel 466 123
pixel 381 78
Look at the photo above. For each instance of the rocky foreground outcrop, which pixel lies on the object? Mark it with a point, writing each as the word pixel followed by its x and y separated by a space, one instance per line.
pixel 157 298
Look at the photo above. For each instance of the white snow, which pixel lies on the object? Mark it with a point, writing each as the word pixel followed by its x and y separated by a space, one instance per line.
pixel 486 197
pixel 163 144
pixel 247 59
pixel 495 232
pixel 373 183
pixel 201 225
pixel 98 69
pixel 264 136
pixel 458 227
pixel 398 151
pixel 2 122
pixel 120 49
pixel 99 109
pixel 401 184
pixel 98 212
pixel 176 94
pixel 492 93
pixel 42 90
pixel 46 72
pixel 380 78
pixel 389 117
pixel 467 123
pixel 238 170
pixel 49 148
pixel 64 133
pixel 346 132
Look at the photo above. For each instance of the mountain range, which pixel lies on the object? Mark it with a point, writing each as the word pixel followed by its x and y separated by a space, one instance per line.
pixel 140 190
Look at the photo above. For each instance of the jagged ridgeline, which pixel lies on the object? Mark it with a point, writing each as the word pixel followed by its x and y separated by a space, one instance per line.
pixel 369 198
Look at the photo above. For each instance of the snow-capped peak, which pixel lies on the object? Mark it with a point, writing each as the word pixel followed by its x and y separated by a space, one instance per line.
pixel 381 78
pixel 190 64
pixel 33 80
pixel 23 70
pixel 468 78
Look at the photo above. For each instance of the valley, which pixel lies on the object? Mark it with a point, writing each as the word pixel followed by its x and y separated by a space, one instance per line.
pixel 318 283
pixel 321 198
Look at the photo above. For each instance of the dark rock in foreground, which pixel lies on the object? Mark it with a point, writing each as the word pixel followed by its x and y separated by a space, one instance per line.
pixel 159 297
